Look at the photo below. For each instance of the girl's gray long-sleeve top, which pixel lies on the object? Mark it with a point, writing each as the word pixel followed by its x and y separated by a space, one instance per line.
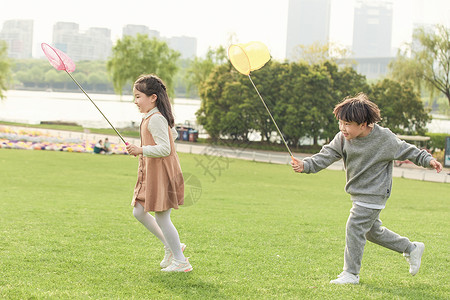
pixel 368 162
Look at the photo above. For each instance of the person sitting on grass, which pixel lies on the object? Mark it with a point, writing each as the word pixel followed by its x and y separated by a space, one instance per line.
pixel 368 151
pixel 98 148
pixel 107 146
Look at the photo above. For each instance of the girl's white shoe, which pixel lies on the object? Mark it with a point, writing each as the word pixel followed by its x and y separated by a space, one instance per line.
pixel 178 266
pixel 168 257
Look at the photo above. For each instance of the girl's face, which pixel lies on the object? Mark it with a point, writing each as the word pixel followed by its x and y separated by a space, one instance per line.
pixel 352 130
pixel 144 103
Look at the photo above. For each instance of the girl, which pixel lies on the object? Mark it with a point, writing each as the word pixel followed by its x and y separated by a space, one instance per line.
pixel 160 185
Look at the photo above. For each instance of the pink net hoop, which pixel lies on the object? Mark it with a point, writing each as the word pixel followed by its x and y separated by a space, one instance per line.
pixel 58 59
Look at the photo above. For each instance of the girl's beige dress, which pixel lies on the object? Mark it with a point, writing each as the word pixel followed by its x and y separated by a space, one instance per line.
pixel 160 183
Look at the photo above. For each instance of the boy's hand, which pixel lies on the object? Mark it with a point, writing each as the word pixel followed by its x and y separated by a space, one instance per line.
pixel 436 165
pixel 297 165
pixel 134 150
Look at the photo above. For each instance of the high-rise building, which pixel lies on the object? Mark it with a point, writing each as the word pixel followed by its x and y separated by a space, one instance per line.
pixel 187 46
pixel 132 30
pixel 308 23
pixel 18 34
pixel 372 29
pixel 94 44
pixel 102 39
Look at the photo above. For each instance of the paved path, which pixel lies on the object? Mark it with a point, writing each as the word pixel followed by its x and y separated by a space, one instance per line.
pixel 409 171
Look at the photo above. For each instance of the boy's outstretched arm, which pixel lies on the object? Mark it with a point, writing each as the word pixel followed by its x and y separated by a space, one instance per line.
pixel 436 165
pixel 297 165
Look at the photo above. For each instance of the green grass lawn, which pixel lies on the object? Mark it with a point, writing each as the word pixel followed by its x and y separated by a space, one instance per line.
pixel 259 231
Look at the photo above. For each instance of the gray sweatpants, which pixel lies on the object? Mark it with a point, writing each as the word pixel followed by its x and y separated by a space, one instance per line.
pixel 363 224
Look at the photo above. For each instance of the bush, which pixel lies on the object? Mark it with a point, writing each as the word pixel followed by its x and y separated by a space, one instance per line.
pixel 437 141
pixel 439 155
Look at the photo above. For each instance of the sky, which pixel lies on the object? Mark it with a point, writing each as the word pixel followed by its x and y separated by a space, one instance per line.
pixel 212 22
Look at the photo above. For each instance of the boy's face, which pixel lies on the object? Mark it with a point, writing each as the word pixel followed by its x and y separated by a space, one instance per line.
pixel 352 130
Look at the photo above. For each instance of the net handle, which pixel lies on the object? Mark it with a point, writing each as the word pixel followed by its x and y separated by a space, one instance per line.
pixel 44 47
pixel 81 88
pixel 273 120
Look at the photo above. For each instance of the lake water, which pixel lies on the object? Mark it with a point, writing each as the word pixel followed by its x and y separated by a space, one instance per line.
pixel 32 107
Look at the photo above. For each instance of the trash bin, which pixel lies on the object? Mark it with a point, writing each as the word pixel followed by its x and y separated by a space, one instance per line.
pixel 185 135
pixel 180 133
pixel 193 135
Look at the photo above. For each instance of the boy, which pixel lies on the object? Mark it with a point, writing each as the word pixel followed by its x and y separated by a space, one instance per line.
pixel 368 152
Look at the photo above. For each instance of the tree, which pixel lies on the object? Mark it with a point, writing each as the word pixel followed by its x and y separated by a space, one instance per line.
pixel 32 76
pixel 5 69
pixel 314 103
pixel 318 53
pixel 56 79
pixel 345 82
pixel 134 56
pixel 310 93
pixel 401 108
pixel 98 80
pixel 268 83
pixel 200 69
pixel 80 77
pixel 429 61
pixel 300 97
pixel 51 77
pixel 213 106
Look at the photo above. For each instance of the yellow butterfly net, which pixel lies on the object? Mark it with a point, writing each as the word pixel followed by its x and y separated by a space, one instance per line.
pixel 249 57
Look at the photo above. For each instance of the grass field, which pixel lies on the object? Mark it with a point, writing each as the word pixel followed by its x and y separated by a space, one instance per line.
pixel 259 231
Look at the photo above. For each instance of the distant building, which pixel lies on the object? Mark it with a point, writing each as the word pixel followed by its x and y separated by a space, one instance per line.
pixel 308 23
pixel 372 29
pixel 94 44
pixel 187 46
pixel 132 30
pixel 18 34
pixel 102 40
pixel 372 67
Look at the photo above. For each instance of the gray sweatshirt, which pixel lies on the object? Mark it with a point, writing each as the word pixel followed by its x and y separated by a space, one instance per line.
pixel 368 162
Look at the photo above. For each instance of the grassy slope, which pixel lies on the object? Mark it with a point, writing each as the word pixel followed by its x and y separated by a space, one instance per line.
pixel 258 231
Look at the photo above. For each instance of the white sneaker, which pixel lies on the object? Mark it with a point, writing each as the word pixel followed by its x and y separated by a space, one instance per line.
pixel 346 278
pixel 169 256
pixel 179 266
pixel 415 257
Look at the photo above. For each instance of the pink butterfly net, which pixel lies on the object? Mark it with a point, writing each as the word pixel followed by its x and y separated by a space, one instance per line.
pixel 61 61
pixel 58 59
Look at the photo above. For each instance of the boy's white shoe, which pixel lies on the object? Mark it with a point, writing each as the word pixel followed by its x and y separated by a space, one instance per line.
pixel 178 266
pixel 169 256
pixel 346 278
pixel 415 257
